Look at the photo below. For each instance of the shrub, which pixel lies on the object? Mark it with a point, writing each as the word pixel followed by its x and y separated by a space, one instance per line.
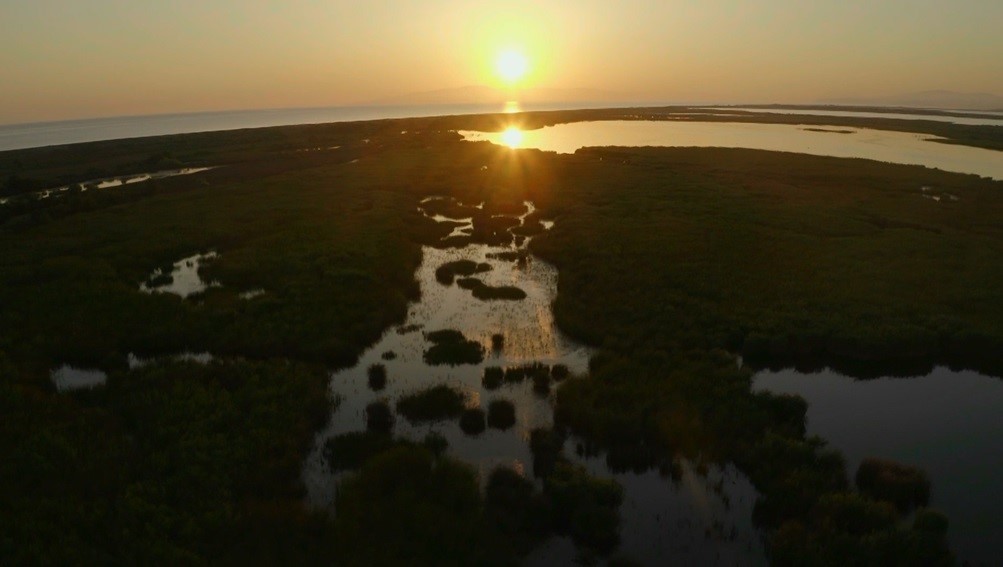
pixel 446 273
pixel 379 418
pixel 377 377
pixel 904 486
pixel 493 377
pixel 501 414
pixel 452 348
pixel 352 450
pixel 433 404
pixel 472 421
pixel 559 372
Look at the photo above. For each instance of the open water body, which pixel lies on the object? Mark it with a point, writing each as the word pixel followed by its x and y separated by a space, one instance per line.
pixel 968 121
pixel 879 145
pixel 949 423
pixel 38 134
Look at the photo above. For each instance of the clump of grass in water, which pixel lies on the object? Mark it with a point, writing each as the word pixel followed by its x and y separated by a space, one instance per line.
pixel 437 403
pixel 452 348
pixel 377 377
pixel 501 414
pixel 351 450
pixel 379 418
pixel 904 486
pixel 493 377
pixel 559 372
pixel 472 421
pixel 446 273
pixel 389 355
pixel 497 342
pixel 485 292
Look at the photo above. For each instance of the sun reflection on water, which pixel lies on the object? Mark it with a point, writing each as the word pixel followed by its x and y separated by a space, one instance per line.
pixel 512 137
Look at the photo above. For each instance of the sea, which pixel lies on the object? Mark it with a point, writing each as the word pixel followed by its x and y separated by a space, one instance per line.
pixel 38 134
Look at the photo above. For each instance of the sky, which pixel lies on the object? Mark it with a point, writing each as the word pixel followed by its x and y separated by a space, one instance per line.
pixel 65 59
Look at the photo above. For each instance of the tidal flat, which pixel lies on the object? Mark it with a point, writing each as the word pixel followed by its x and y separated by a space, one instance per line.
pixel 651 270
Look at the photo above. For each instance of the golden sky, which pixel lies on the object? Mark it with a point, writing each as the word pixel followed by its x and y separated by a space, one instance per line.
pixel 64 59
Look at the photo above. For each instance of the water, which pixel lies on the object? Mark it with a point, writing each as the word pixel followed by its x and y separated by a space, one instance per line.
pixel 862 114
pixel 703 519
pixel 949 423
pixel 68 378
pixel 19 136
pixel 185 279
pixel 880 145
pixel 107 183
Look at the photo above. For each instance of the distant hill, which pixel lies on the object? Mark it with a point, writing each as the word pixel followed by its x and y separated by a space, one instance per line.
pixel 930 99
pixel 482 94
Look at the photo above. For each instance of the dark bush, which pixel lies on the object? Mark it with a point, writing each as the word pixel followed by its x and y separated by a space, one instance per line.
pixel 904 486
pixel 377 377
pixel 352 450
pixel 493 377
pixel 559 372
pixel 437 403
pixel 501 414
pixel 446 273
pixel 472 421
pixel 379 418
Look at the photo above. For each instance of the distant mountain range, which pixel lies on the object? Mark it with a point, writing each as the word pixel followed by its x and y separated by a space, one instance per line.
pixel 947 100
pixel 482 94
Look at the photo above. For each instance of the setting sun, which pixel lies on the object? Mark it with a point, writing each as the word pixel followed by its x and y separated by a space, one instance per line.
pixel 511 66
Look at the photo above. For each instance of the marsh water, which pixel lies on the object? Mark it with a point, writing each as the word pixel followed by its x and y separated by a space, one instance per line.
pixel 880 145
pixel 700 516
pixel 986 118
pixel 948 423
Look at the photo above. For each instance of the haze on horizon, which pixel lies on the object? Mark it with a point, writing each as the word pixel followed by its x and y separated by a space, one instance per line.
pixel 65 59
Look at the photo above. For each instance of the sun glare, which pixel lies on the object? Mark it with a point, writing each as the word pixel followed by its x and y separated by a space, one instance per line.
pixel 511 66
pixel 512 137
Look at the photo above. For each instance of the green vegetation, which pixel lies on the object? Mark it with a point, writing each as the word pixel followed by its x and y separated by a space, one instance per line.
pixel 379 418
pixel 437 403
pixel 377 376
pixel 472 421
pixel 486 292
pixel 451 347
pixel 165 463
pixel 493 377
pixel 351 450
pixel 446 273
pixel 501 414
pixel 669 260
pixel 904 486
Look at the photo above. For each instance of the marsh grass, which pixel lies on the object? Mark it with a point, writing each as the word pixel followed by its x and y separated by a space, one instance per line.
pixel 377 376
pixel 493 377
pixel 452 348
pixel 904 486
pixel 501 414
pixel 472 421
pixel 437 403
pixel 447 273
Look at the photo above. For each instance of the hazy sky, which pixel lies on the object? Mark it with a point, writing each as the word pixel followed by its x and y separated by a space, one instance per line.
pixel 85 58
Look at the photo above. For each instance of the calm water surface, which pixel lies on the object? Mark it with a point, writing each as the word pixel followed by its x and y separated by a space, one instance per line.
pixel 995 121
pixel 949 423
pixel 880 145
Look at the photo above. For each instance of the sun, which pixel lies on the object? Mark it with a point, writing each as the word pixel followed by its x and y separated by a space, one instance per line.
pixel 511 66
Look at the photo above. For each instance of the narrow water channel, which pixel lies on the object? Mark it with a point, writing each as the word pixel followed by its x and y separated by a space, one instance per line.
pixel 700 516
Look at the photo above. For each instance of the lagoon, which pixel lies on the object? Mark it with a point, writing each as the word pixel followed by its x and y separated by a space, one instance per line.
pixel 880 145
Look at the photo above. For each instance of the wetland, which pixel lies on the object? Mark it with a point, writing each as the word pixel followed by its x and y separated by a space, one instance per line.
pixel 370 408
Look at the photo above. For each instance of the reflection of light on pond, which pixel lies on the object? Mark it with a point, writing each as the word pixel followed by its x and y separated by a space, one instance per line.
pixel 512 137
pixel 67 378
